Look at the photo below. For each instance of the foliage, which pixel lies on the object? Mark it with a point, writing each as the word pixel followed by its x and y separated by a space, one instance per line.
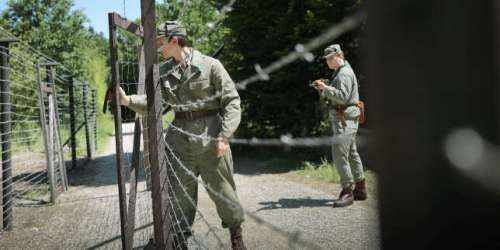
pixel 323 171
pixel 326 171
pixel 51 28
pixel 262 32
pixel 255 32
pixel 196 16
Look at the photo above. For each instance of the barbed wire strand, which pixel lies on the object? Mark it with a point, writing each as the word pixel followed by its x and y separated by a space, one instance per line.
pixel 296 238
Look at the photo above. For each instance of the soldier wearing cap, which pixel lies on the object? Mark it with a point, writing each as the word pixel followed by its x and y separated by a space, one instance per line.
pixel 342 97
pixel 206 106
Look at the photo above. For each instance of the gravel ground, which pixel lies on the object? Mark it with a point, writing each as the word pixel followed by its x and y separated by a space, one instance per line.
pixel 87 215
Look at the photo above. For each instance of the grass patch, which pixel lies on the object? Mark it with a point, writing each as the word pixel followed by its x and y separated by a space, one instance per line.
pixel 34 142
pixel 105 129
pixel 322 171
pixel 325 171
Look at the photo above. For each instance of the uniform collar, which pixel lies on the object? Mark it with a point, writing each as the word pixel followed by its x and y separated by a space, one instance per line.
pixel 196 60
pixel 346 63
pixel 336 72
pixel 193 65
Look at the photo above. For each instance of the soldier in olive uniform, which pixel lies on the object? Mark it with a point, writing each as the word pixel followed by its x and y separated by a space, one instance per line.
pixel 341 96
pixel 207 106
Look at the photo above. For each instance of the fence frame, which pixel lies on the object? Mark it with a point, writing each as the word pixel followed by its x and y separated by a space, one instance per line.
pixel 160 190
pixel 148 71
pixel 115 83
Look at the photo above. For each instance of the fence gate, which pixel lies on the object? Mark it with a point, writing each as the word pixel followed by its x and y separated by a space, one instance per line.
pixel 127 208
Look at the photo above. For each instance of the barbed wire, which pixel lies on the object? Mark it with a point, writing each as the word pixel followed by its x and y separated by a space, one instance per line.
pixel 35 51
pixel 192 203
pixel 303 51
pixel 213 25
pixel 296 237
pixel 35 61
pixel 284 140
pixel 194 104
pixel 30 158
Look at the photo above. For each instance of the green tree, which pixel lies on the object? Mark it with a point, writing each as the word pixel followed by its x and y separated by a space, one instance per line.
pixel 54 29
pixel 51 27
pixel 262 32
pixel 197 16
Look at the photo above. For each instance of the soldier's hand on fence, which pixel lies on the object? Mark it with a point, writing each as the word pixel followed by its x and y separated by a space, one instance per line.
pixel 109 99
pixel 222 146
pixel 124 99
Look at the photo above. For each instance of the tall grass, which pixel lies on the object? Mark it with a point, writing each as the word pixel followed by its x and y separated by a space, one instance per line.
pixel 326 171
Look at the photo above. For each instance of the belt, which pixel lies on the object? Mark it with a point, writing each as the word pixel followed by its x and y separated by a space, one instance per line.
pixel 340 110
pixel 193 115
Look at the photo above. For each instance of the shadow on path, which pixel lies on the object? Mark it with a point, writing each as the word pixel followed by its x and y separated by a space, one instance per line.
pixel 100 171
pixel 286 203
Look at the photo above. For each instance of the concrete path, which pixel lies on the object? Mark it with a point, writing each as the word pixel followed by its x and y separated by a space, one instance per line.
pixel 294 215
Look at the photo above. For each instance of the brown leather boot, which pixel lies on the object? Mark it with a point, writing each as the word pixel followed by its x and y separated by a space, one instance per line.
pixel 237 238
pixel 360 191
pixel 346 198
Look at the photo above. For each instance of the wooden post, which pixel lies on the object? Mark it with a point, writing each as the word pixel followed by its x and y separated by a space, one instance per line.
pixel 72 121
pixel 118 130
pixel 161 218
pixel 5 130
pixel 134 173
pixel 47 133
pixel 85 90
pixel 52 96
pixel 144 119
pixel 94 120
pixel 432 70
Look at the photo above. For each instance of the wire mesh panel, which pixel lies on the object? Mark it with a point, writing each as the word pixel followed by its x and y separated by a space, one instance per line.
pixel 28 182
pixel 35 124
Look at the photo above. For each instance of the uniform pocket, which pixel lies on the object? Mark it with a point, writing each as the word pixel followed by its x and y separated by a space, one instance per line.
pixel 199 84
pixel 200 89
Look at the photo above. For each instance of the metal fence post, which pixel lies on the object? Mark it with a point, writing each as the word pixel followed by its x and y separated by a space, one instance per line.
pixel 86 120
pixel 160 191
pixel 5 130
pixel 72 120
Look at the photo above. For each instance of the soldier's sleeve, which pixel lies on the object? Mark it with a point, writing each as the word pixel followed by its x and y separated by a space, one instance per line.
pixel 138 103
pixel 341 94
pixel 230 100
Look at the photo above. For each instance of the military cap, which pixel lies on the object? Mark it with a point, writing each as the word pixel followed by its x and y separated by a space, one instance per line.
pixel 171 28
pixel 332 50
